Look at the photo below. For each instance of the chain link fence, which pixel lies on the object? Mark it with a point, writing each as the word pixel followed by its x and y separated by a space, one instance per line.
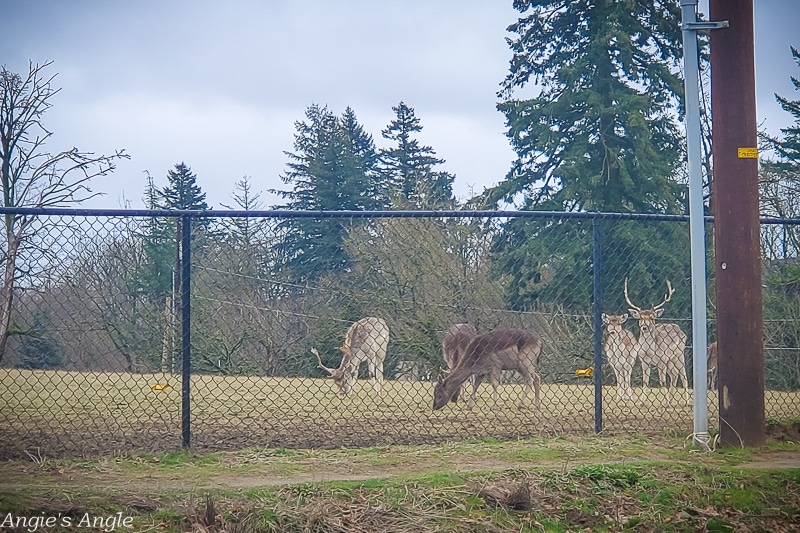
pixel 156 330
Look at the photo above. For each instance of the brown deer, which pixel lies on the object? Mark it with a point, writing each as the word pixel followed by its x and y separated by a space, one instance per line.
pixel 490 354
pixel 621 349
pixel 712 366
pixel 454 345
pixel 366 340
pixel 660 345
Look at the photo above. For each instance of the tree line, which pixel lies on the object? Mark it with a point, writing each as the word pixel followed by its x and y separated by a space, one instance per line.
pixel 593 102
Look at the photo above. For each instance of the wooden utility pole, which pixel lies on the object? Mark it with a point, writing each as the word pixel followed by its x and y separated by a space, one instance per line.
pixel 736 226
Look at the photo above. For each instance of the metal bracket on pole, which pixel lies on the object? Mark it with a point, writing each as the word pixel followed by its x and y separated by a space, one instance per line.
pixel 699 26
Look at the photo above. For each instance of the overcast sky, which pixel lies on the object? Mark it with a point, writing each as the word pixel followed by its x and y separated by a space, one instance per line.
pixel 219 85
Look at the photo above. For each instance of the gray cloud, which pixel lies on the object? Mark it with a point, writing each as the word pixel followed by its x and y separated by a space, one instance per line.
pixel 219 85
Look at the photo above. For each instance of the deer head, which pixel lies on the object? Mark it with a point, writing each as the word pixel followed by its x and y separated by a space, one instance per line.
pixel 614 323
pixel 647 317
pixel 341 376
pixel 442 394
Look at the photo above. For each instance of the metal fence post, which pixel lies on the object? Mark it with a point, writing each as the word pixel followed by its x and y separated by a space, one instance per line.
pixel 186 354
pixel 597 309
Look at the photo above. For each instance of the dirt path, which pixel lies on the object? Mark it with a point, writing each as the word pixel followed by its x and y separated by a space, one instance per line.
pixel 249 469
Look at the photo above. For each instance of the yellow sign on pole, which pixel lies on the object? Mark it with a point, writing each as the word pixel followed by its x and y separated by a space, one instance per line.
pixel 748 153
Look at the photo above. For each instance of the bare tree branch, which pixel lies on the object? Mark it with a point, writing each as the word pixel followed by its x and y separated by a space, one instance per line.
pixel 30 176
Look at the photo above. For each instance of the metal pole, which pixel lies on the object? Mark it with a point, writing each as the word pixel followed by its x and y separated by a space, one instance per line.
pixel 597 308
pixel 691 74
pixel 186 354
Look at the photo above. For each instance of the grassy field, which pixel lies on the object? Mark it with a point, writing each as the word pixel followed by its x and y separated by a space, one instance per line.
pixel 567 483
pixel 58 413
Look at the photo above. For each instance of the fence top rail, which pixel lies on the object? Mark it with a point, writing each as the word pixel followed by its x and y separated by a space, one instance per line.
pixel 284 213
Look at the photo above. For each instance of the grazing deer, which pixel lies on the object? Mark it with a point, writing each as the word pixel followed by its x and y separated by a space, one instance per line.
pixel 712 366
pixel 490 354
pixel 660 345
pixel 621 348
pixel 366 340
pixel 454 345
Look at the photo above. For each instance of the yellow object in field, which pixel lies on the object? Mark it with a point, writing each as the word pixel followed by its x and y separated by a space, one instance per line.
pixel 160 387
pixel 585 372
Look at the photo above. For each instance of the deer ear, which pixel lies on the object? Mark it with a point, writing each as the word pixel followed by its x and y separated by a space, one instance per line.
pixel 659 312
pixel 624 317
pixel 605 318
pixel 635 314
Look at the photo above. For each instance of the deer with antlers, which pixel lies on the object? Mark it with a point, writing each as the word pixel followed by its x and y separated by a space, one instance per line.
pixel 660 345
pixel 366 340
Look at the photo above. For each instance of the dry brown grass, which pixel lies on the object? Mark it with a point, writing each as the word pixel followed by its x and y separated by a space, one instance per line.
pixel 69 413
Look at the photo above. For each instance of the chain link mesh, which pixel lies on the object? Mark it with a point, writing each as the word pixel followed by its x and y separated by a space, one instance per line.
pixel 93 363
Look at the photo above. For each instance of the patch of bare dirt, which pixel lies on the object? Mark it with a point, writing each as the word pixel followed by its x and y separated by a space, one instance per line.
pixel 784 432
pixel 775 460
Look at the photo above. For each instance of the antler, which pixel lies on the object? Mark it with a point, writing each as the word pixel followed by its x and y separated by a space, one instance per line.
pixel 628 299
pixel 667 297
pixel 323 367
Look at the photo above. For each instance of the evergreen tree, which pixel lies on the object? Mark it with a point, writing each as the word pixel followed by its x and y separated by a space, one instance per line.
pixel 154 279
pixel 333 168
pixel 779 182
pixel 788 148
pixel 408 167
pixel 600 134
pixel 182 191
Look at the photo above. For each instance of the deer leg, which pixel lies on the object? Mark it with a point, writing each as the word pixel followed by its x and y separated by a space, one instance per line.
pixel 685 385
pixel 475 384
pixel 459 392
pixel 673 382
pixel 523 397
pixel 712 379
pixel 624 381
pixel 623 372
pixel 495 377
pixel 617 377
pixel 645 380
pixel 373 372
pixel 534 380
pixel 379 381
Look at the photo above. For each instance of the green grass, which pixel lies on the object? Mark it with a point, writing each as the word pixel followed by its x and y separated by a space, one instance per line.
pixel 596 483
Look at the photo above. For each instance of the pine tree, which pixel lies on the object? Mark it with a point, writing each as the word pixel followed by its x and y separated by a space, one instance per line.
pixel 333 168
pixel 408 167
pixel 601 133
pixel 779 181
pixel 788 148
pixel 182 191
pixel 153 280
